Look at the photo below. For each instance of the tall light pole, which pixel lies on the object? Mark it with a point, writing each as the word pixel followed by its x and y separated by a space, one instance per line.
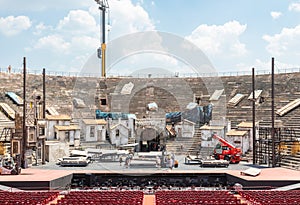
pixel 103 5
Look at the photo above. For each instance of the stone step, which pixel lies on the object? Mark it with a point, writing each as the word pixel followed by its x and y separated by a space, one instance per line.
pixel 294 159
pixel 183 147
pixel 290 165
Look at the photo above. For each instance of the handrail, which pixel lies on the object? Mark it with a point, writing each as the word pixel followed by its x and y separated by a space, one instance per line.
pixel 175 75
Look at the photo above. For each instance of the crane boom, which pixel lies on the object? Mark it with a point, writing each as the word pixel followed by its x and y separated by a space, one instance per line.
pixel 223 141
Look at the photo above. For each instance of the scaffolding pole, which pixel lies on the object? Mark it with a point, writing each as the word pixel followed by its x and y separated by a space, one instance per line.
pixel 24 138
pixel 273 119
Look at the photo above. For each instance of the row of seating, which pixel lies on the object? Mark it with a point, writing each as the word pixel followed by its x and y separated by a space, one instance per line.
pixel 27 197
pixel 265 197
pixel 269 197
pixel 195 197
pixel 102 197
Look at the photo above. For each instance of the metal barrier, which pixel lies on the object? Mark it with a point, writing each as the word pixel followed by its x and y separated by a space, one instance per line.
pixel 175 75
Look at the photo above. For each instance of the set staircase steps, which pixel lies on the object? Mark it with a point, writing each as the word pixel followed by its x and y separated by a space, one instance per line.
pixel 183 145
pixel 290 158
pixel 98 145
pixel 291 162
pixel 248 156
pixel 206 152
pixel 131 140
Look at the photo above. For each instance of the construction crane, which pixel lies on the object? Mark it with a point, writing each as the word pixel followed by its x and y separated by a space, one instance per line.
pixel 227 151
pixel 103 6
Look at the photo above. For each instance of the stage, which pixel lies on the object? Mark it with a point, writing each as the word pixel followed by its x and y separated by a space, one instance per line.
pixel 38 179
pixel 43 179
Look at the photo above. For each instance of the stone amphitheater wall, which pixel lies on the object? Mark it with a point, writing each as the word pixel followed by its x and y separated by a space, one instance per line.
pixel 60 90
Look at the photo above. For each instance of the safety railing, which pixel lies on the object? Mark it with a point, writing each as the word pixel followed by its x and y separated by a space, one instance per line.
pixel 152 75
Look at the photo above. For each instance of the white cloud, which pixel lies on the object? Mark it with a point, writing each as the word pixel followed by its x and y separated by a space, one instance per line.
pixel 140 2
pixel 276 14
pixel 77 32
pixel 77 35
pixel 94 10
pixel 42 5
pixel 78 22
pixel 74 46
pixel 220 40
pixel 294 7
pixel 54 43
pixel 84 43
pixel 40 28
pixel 128 18
pixel 150 63
pixel 11 25
pixel 125 18
pixel 286 43
pixel 266 65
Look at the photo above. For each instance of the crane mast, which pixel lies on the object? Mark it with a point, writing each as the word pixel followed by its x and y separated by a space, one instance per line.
pixel 103 6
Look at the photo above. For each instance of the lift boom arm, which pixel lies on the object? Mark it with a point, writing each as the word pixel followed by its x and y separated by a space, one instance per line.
pixel 223 141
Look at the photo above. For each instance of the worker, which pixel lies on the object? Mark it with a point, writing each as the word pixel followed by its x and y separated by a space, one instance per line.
pixel 169 162
pixel 121 160
pixel 173 159
pixel 127 162
pixel 158 162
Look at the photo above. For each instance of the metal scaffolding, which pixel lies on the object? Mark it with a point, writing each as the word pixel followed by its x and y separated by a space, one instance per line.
pixel 284 139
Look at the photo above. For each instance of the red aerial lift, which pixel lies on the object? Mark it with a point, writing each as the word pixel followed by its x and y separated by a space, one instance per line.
pixel 227 151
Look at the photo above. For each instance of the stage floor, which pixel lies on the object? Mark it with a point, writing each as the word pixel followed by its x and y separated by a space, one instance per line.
pixel 43 178
pixel 270 174
pixel 39 179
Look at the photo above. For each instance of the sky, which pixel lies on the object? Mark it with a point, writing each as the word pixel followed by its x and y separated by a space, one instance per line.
pixel 235 35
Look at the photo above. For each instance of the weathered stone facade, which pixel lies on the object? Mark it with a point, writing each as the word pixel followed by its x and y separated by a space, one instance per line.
pixel 165 92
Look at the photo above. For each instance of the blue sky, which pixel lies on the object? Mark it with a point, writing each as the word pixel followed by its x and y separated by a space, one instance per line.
pixel 235 35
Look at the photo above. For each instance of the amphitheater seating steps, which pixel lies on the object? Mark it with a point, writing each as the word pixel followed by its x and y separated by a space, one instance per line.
pixel 182 145
pixel 16 108
pixel 60 91
pixel 248 156
pixel 289 157
pixel 206 152
pixel 290 166
pixel 291 161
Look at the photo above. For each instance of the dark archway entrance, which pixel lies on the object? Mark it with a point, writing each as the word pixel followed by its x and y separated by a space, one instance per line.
pixel 149 140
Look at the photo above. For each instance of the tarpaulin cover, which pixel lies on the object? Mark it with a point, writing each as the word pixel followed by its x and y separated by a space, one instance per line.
pixel 199 115
pixel 113 115
pixel 173 117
